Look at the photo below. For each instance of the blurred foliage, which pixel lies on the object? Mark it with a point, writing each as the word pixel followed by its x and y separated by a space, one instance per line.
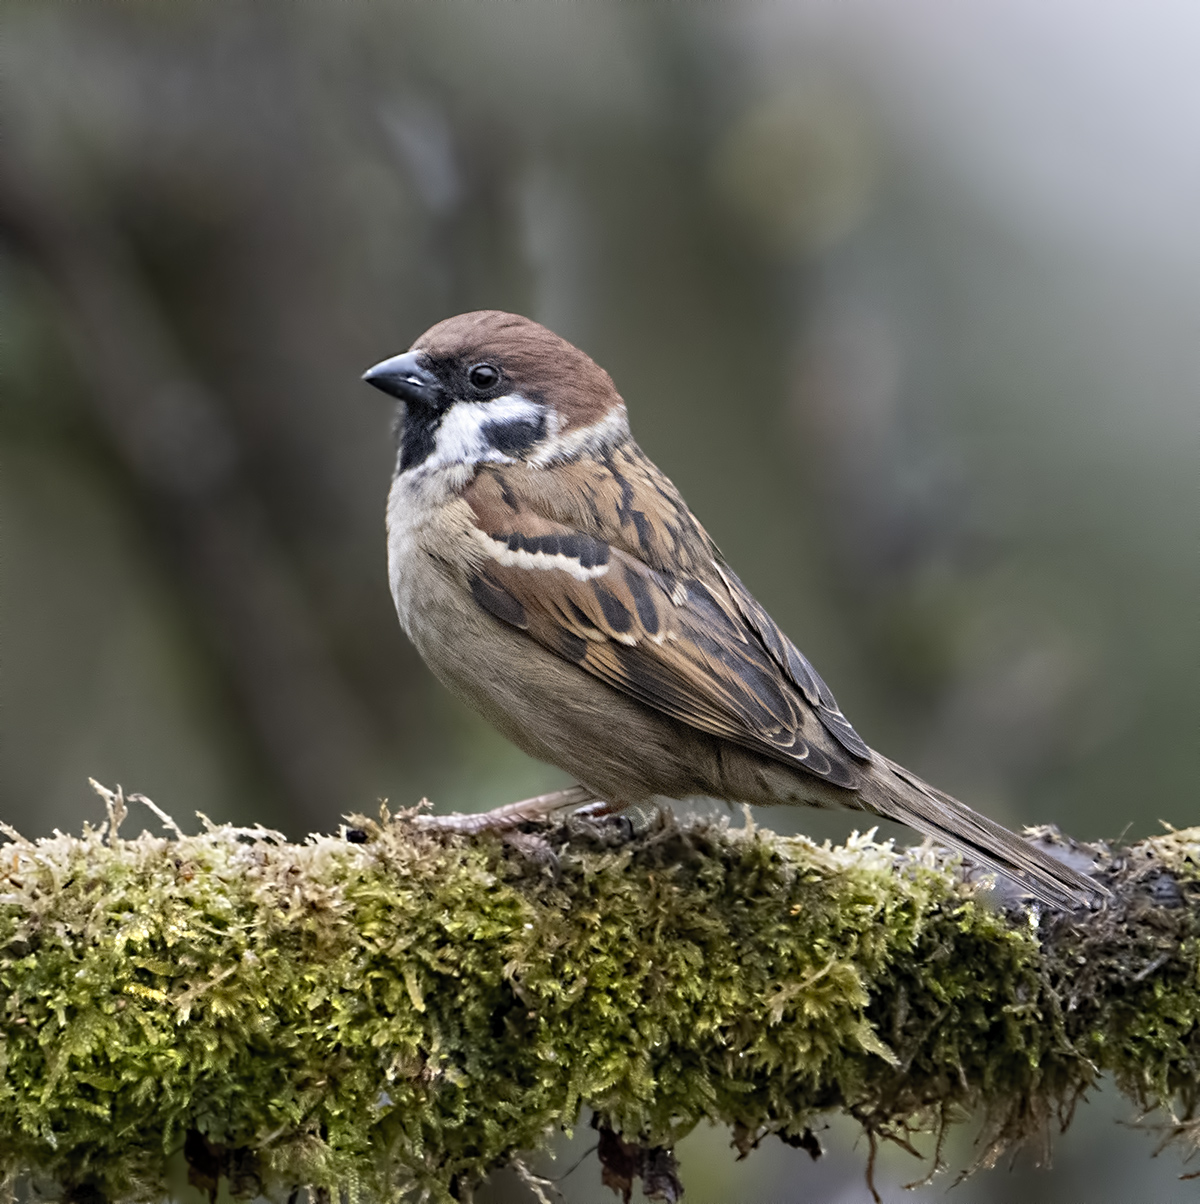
pixel 905 307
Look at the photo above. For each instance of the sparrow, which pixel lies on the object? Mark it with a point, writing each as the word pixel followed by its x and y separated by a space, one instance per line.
pixel 552 577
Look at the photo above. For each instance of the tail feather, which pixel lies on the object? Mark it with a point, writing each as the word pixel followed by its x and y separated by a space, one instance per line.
pixel 892 792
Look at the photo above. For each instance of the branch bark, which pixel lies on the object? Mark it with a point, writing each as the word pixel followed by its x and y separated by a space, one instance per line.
pixel 396 1010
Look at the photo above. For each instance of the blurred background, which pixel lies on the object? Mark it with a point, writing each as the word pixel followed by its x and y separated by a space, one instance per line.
pixel 905 298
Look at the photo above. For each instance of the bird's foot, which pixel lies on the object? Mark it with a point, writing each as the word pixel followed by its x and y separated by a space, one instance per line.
pixel 512 815
pixel 599 808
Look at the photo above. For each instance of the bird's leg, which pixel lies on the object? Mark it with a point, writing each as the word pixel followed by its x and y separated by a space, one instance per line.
pixel 600 809
pixel 512 814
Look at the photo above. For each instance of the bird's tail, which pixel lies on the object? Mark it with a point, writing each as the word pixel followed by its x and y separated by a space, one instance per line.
pixel 892 792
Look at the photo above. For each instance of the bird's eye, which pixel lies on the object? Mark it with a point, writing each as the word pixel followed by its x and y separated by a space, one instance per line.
pixel 483 376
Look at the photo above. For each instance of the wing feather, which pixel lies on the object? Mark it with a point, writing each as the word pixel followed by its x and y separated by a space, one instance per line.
pixel 796 665
pixel 700 650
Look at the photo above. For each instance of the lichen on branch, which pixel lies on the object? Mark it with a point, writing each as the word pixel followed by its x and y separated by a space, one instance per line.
pixel 392 1010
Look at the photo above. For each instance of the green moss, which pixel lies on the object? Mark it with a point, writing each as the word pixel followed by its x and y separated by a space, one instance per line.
pixel 412 1012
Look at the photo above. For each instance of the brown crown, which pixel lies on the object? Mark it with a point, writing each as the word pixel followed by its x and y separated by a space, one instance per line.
pixel 541 366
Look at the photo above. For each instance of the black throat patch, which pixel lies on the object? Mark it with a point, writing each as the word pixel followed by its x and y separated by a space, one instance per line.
pixel 418 434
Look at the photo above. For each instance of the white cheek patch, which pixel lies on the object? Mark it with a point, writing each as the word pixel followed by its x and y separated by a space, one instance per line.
pixel 584 558
pixel 477 432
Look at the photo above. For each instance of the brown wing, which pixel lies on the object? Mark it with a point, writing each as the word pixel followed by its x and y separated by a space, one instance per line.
pixel 682 644
pixel 795 664
pixel 625 501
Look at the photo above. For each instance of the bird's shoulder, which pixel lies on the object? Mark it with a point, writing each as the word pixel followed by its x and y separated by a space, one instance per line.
pixel 618 496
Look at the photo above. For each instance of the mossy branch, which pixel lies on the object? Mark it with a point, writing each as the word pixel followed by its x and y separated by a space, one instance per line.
pixel 392 1010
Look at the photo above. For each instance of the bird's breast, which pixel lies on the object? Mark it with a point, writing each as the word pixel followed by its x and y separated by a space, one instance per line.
pixel 430 545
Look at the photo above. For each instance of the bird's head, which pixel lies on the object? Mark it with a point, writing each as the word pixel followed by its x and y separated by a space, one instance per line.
pixel 492 386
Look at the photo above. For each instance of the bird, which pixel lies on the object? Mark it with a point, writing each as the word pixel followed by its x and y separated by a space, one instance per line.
pixel 554 578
